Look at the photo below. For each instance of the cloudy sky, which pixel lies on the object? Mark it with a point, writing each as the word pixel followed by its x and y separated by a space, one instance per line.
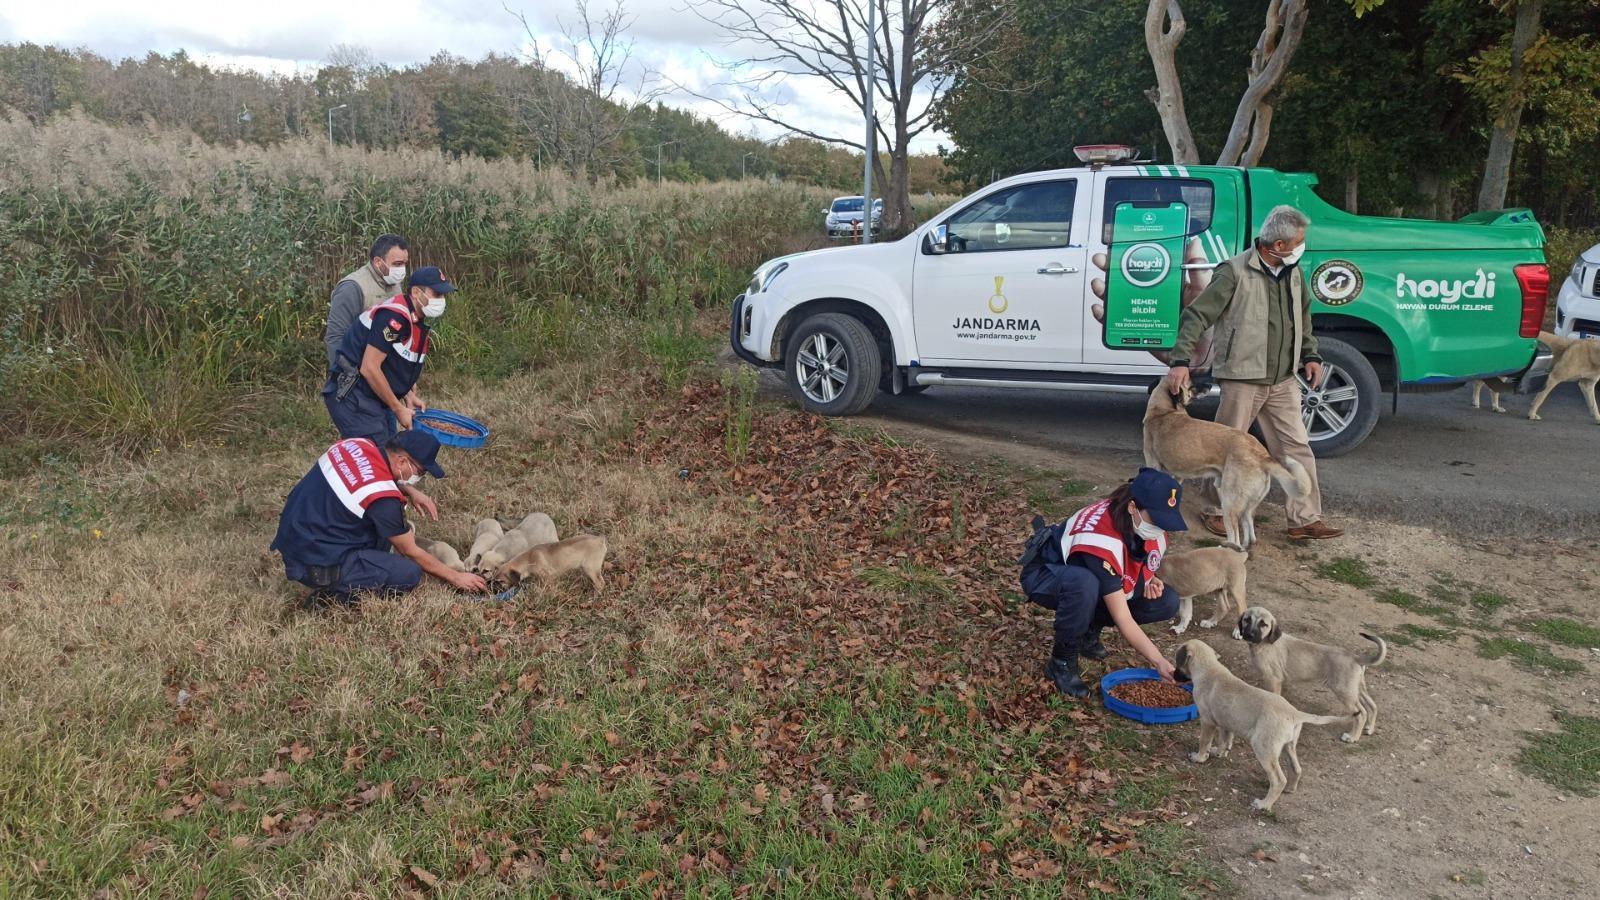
pixel 285 36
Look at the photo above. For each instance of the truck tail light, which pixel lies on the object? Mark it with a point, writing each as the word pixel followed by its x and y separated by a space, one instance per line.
pixel 1534 279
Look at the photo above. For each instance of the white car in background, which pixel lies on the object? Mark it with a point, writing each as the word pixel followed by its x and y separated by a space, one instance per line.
pixel 1578 303
pixel 844 216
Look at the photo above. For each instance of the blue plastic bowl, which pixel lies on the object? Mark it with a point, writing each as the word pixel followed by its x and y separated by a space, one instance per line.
pixel 420 422
pixel 1146 714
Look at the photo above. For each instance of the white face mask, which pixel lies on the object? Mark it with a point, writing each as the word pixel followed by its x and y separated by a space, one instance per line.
pixel 396 275
pixel 412 480
pixel 1148 530
pixel 1293 256
pixel 434 308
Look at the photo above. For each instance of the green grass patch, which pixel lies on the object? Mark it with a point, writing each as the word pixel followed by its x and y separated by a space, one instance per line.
pixel 909 579
pixel 1347 570
pixel 1412 603
pixel 1423 632
pixel 1535 657
pixel 1568 759
pixel 1473 877
pixel 1563 631
pixel 1489 601
pixel 1398 639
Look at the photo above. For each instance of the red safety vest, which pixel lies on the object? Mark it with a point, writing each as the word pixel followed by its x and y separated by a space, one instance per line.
pixel 1091 531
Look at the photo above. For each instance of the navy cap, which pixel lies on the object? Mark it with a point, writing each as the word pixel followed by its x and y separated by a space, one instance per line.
pixel 1159 496
pixel 431 277
pixel 422 447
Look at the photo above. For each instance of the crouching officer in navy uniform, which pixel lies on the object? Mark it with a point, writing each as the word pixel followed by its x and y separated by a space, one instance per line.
pixel 1098 568
pixel 343 529
pixel 372 384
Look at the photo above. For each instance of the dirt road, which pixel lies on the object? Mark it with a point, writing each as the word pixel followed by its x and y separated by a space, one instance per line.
pixel 1438 460
pixel 1434 804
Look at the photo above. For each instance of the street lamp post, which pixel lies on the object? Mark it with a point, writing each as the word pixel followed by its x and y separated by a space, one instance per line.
pixel 871 142
pixel 658 158
pixel 741 163
pixel 330 120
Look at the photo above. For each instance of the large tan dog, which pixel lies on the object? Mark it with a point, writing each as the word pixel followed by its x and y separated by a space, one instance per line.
pixel 1281 658
pixel 487 533
pixel 1186 447
pixel 583 552
pixel 1229 707
pixel 1498 386
pixel 533 530
pixel 1208 570
pixel 1576 360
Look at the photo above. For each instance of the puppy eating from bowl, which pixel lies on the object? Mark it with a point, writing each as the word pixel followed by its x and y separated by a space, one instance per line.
pixel 1281 658
pixel 1230 707
pixel 583 552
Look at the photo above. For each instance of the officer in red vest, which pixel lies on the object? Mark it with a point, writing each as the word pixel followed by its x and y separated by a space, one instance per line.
pixel 343 530
pixel 1098 568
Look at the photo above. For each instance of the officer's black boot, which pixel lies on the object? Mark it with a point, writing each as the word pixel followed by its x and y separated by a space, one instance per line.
pixel 1092 647
pixel 1063 670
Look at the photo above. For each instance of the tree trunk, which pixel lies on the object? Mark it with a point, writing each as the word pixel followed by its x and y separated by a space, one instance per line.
pixel 1260 130
pixel 1162 42
pixel 1503 140
pixel 897 203
pixel 1352 190
pixel 1286 21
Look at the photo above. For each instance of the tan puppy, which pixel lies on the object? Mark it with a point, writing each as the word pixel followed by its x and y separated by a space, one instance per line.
pixel 443 553
pixel 1209 570
pixel 1495 387
pixel 533 530
pixel 1230 707
pixel 583 552
pixel 1576 360
pixel 1243 470
pixel 484 537
pixel 1281 658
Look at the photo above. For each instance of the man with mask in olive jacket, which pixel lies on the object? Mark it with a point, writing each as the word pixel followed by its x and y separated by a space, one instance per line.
pixel 1261 308
pixel 365 288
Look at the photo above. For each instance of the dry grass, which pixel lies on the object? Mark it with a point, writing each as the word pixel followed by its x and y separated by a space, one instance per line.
pixel 168 721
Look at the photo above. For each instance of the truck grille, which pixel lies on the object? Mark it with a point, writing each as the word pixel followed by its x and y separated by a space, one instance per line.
pixel 1594 287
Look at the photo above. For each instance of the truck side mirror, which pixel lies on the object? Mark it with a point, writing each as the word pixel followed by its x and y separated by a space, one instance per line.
pixel 939 239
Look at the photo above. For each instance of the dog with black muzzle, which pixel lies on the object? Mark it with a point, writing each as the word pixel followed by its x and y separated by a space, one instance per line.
pixel 1228 707
pixel 1281 658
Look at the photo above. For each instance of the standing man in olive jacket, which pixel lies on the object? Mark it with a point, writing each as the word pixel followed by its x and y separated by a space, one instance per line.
pixel 365 288
pixel 1261 308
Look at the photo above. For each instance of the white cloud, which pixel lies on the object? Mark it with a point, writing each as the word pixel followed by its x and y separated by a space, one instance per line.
pixel 285 36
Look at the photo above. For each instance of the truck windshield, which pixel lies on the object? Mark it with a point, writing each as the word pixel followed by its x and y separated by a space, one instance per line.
pixel 849 204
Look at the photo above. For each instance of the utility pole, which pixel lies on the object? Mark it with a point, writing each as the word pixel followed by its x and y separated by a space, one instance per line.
pixel 741 163
pixel 330 120
pixel 871 142
pixel 658 159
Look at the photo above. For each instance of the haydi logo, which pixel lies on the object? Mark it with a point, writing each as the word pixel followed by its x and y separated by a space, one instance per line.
pixel 1145 265
pixel 1479 288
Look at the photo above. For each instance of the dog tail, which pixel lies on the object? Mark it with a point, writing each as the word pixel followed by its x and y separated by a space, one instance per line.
pixel 1379 655
pixel 1291 476
pixel 1310 719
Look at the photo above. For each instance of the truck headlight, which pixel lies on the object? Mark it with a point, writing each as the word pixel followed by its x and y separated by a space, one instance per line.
pixel 773 275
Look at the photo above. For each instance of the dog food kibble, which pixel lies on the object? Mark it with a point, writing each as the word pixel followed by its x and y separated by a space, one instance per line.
pixel 1153 694
pixel 451 428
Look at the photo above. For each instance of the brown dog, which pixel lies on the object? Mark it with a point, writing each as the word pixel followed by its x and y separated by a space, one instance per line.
pixel 1576 360
pixel 1186 447
pixel 583 552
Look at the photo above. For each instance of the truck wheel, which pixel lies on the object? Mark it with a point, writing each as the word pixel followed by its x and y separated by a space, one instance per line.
pixel 833 365
pixel 1343 410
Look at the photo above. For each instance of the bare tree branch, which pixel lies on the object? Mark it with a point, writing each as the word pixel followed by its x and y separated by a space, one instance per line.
pixel 1162 41
pixel 1286 21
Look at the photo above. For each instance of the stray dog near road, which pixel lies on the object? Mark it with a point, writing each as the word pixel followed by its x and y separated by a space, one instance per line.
pixel 1576 360
pixel 535 529
pixel 443 553
pixel 1282 658
pixel 1229 707
pixel 1495 387
pixel 583 552
pixel 1186 447
pixel 1208 570
pixel 484 537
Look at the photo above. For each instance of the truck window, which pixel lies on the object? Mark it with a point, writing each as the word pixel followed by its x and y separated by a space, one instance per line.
pixel 1027 217
pixel 1198 193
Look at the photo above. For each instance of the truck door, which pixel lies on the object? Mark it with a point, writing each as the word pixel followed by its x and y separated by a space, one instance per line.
pixel 1213 199
pixel 1009 285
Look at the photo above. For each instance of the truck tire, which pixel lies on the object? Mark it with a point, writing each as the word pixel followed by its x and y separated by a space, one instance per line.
pixel 1343 410
pixel 833 365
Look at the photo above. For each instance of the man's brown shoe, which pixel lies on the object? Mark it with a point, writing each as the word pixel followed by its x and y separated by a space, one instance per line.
pixel 1316 531
pixel 1215 525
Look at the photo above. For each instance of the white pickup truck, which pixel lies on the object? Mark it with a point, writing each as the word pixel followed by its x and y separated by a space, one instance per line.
pixel 1018 285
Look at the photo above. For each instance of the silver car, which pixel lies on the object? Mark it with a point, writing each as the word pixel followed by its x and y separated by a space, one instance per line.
pixel 844 216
